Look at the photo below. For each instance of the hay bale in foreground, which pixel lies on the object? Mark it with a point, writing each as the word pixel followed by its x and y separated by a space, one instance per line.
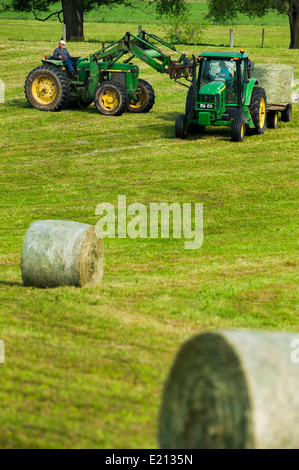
pixel 277 80
pixel 57 252
pixel 232 390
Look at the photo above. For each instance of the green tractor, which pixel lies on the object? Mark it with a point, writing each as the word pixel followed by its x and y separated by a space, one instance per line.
pixel 114 86
pixel 224 94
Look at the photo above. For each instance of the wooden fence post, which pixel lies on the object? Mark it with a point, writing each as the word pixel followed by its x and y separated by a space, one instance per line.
pixel 231 38
pixel 263 38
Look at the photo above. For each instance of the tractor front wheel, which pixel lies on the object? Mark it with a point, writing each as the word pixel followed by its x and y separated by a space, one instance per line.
pixel 258 110
pixel 180 129
pixel 238 129
pixel 47 88
pixel 146 98
pixel 111 99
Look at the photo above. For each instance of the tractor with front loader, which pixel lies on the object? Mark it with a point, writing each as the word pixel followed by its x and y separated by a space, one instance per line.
pixel 224 94
pixel 112 84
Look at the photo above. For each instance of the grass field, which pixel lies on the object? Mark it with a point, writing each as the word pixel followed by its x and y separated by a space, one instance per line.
pixel 84 368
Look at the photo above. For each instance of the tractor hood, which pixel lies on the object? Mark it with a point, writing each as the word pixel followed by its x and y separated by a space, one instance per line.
pixel 213 88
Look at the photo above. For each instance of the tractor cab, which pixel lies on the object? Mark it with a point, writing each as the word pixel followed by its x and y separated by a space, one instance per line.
pixel 223 74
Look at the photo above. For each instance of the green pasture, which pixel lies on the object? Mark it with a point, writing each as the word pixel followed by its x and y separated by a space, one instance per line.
pixel 84 368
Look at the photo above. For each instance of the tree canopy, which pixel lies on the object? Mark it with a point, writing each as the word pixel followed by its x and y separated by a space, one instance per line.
pixel 71 12
pixel 223 11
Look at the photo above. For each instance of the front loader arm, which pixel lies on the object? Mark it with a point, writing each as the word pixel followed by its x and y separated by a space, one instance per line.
pixel 140 47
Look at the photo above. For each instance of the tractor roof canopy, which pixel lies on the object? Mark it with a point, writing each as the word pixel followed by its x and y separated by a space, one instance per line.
pixel 221 55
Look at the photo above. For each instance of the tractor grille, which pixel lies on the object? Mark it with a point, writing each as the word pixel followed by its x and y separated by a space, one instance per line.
pixel 202 98
pixel 209 99
pixel 119 77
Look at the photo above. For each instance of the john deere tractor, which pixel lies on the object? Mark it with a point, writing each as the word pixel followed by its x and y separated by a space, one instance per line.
pixel 224 94
pixel 105 78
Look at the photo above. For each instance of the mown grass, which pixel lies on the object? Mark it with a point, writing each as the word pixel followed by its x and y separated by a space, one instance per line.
pixel 86 367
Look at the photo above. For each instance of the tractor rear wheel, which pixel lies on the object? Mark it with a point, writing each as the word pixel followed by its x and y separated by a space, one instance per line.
pixel 180 129
pixel 189 101
pixel 146 101
pixel 258 110
pixel 286 115
pixel 193 128
pixel 47 88
pixel 238 129
pixel 111 99
pixel 272 119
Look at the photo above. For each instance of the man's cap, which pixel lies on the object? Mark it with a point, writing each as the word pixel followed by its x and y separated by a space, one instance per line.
pixel 62 42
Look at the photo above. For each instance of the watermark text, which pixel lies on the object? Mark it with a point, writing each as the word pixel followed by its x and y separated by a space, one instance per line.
pixel 295 353
pixel 186 221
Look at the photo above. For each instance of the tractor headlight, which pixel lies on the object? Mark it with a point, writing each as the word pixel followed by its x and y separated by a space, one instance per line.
pixel 210 106
pixel 202 105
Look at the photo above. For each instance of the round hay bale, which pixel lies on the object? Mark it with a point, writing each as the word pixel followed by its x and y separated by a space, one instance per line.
pixel 277 80
pixel 232 390
pixel 57 253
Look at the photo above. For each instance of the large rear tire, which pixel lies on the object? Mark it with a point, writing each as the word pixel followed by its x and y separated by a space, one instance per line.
pixel 47 88
pixel 258 110
pixel 111 99
pixel 146 101
pixel 189 101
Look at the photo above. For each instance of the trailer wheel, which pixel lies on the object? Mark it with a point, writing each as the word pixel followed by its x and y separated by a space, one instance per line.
pixel 146 101
pixel 258 109
pixel 180 129
pixel 238 129
pixel 272 119
pixel 286 115
pixel 111 99
pixel 47 88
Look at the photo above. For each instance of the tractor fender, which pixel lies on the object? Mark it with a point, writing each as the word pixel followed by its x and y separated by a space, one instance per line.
pixel 57 63
pixel 249 88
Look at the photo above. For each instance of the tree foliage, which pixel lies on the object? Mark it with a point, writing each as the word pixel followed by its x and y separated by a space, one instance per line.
pixel 222 11
pixel 163 7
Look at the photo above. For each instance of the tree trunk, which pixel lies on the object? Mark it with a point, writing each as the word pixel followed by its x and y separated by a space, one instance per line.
pixel 293 14
pixel 73 19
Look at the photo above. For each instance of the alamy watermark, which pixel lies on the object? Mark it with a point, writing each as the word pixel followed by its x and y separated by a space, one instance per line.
pixel 2 91
pixel 187 222
pixel 2 352
pixel 295 354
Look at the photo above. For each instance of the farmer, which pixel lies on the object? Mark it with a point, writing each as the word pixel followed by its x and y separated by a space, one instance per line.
pixel 224 74
pixel 62 53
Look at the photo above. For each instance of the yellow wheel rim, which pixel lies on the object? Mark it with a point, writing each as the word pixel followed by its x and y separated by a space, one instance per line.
pixel 138 104
pixel 242 131
pixel 44 89
pixel 109 99
pixel 262 113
